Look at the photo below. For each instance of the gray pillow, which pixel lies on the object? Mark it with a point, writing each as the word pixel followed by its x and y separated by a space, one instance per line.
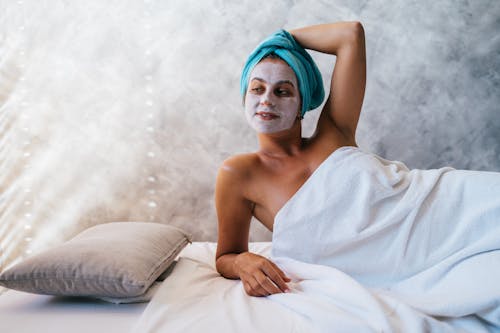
pixel 118 259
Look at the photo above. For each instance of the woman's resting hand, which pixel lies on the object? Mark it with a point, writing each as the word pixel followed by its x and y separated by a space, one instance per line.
pixel 259 275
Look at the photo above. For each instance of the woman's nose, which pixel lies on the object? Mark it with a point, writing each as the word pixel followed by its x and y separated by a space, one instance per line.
pixel 266 100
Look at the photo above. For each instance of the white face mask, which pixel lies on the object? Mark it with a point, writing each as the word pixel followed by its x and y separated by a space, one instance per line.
pixel 272 101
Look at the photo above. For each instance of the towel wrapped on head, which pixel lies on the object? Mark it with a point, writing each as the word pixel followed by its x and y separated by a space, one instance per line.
pixel 284 46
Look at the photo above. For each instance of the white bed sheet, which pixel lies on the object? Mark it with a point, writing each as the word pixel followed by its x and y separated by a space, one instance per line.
pixel 25 313
pixel 195 298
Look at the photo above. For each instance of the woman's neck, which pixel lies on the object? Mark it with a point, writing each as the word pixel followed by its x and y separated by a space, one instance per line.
pixel 286 143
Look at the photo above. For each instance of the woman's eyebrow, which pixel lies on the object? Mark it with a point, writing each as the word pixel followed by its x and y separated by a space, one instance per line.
pixel 279 82
pixel 258 79
pixel 286 81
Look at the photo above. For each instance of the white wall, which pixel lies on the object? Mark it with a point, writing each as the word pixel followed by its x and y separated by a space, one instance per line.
pixel 123 110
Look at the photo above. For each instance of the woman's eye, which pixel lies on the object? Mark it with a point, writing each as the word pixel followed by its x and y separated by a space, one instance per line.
pixel 283 92
pixel 256 89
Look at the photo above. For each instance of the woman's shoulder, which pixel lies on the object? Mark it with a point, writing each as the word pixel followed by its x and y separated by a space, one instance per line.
pixel 235 175
pixel 239 165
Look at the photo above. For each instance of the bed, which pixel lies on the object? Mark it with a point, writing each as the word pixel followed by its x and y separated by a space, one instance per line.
pixel 22 312
pixel 195 298
pixel 193 271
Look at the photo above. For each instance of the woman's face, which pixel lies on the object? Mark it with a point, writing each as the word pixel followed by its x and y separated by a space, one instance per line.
pixel 272 101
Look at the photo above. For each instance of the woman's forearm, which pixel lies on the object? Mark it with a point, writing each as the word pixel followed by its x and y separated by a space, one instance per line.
pixel 328 38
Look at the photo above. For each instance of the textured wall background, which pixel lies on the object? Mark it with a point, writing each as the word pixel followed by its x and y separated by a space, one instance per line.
pixel 123 110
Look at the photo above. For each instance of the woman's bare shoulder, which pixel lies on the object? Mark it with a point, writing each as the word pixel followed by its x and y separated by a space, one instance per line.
pixel 240 166
pixel 232 200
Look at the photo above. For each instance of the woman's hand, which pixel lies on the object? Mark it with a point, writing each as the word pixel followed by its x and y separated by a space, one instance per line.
pixel 259 275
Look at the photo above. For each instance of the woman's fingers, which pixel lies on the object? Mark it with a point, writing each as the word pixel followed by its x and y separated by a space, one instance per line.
pixel 263 283
pixel 260 276
pixel 282 274
pixel 249 290
pixel 267 283
pixel 255 286
pixel 276 276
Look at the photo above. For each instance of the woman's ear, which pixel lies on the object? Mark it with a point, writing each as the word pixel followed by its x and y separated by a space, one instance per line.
pixel 299 111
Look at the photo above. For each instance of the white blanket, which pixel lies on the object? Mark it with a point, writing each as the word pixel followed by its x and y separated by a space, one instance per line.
pixel 424 242
pixel 370 246
pixel 196 299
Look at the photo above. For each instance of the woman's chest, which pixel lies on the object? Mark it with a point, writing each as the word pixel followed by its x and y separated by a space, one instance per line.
pixel 272 190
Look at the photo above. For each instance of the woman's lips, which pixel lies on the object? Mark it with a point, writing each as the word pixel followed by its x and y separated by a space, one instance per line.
pixel 266 115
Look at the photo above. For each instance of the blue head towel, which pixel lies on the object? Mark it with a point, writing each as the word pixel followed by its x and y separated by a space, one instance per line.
pixel 309 78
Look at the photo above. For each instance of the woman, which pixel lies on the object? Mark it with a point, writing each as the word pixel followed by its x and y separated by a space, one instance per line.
pixel 259 184
pixel 427 242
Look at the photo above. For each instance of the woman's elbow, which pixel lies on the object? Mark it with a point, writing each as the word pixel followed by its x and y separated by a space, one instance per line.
pixel 357 31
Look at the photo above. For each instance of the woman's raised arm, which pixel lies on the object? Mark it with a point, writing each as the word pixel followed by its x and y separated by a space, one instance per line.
pixel 346 40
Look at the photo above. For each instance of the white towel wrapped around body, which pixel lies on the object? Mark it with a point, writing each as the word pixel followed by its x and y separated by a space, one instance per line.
pixel 428 238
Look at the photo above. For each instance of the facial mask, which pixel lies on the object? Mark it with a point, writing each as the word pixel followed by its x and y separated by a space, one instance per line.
pixel 272 100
